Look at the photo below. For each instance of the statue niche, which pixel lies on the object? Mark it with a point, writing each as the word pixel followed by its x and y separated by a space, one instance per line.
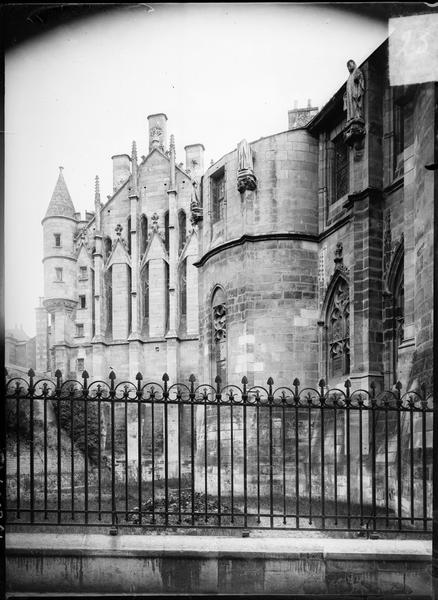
pixel 354 131
pixel 246 180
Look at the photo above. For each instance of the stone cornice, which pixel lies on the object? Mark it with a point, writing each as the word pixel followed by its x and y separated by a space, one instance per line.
pixel 263 237
pixel 369 192
pixel 62 256
pixel 59 217
pixel 334 227
pixel 395 185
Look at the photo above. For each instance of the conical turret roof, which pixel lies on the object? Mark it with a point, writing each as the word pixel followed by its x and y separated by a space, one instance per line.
pixel 61 203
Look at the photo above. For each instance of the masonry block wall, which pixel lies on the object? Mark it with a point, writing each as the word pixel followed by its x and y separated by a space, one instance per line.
pixel 270 280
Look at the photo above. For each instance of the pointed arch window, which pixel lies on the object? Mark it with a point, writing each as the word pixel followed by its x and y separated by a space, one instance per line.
pixel 128 234
pixel 166 230
pixel 341 168
pixel 182 226
pixel 166 291
pixel 143 234
pixel 338 330
pixel 145 298
pixel 108 284
pixel 398 314
pixel 183 292
pixel 107 247
pixel 219 334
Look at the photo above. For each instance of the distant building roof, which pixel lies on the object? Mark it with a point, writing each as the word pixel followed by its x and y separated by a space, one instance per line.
pixel 17 333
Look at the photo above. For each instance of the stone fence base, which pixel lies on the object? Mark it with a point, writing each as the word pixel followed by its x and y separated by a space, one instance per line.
pixel 137 564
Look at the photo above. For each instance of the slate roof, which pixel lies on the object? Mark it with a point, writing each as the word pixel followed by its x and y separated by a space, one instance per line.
pixel 61 203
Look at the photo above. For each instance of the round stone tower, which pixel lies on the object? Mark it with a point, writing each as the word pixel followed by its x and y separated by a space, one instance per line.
pixel 259 262
pixel 59 228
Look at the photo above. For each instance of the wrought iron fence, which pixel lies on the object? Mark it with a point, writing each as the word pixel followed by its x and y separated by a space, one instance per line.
pixel 156 455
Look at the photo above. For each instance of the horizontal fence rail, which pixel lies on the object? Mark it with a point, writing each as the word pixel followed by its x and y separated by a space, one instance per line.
pixel 154 455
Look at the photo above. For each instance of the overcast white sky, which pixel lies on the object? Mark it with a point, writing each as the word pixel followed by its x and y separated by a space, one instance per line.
pixel 221 72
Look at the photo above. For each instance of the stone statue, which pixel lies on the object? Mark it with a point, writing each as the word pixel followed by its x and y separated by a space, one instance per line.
pixel 195 205
pixel 244 156
pixel 353 97
pixel 246 180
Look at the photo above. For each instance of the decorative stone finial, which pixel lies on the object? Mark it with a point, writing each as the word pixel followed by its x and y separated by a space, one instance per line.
pixel 61 169
pixel 154 219
pixel 156 134
pixel 96 189
pixel 134 151
pixel 172 143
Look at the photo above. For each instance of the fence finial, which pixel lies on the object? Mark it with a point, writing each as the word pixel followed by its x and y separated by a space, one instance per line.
pixel 111 377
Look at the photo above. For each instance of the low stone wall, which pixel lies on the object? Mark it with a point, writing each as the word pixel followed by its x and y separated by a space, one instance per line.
pixel 94 563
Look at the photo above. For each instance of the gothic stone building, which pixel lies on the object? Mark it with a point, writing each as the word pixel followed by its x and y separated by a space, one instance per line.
pixel 120 286
pixel 307 253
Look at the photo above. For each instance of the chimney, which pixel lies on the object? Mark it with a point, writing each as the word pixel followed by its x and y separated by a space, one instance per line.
pixel 195 159
pixel 121 170
pixel 300 117
pixel 157 131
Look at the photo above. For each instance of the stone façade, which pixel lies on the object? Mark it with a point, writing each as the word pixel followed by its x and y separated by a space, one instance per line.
pixel 270 243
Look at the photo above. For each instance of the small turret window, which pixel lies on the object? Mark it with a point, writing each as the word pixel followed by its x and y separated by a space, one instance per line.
pixel 80 365
pixel 58 273
pixel 82 301
pixel 217 196
pixel 80 330
pixel 83 273
pixel 57 239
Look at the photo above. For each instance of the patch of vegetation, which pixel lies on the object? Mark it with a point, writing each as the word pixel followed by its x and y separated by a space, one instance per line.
pixel 79 418
pixel 156 508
